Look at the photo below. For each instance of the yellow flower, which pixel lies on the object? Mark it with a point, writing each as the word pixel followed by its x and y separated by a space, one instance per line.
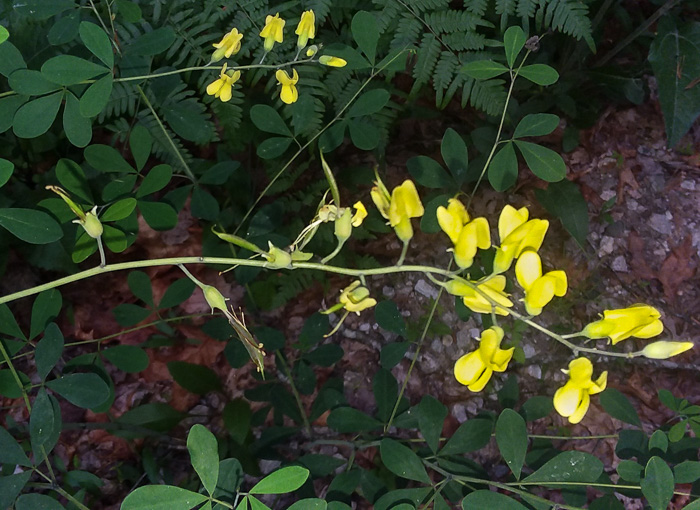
pixel 639 320
pixel 665 350
pixel 289 93
pixel 572 400
pixel 330 61
pixel 475 299
pixel 222 87
pixel 475 369
pixel 517 234
pixel 229 45
pixel 399 207
pixel 345 220
pixel 273 31
pixel 306 29
pixel 466 235
pixel 539 289
pixel 355 298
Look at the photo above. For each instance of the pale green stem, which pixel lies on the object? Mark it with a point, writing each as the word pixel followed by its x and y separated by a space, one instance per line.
pixel 222 503
pixel 295 392
pixel 191 276
pixel 337 326
pixel 94 9
pixel 335 252
pixel 103 259
pixel 404 250
pixel 184 164
pixel 15 375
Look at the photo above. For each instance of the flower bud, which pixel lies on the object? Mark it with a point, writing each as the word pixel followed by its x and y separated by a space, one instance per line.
pixel 214 298
pixel 311 50
pixel 277 258
pixel 327 60
pixel 343 225
pixel 664 350
pixel 92 224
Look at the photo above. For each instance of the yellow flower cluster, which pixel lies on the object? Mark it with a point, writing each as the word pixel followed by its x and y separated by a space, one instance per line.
pixel 272 32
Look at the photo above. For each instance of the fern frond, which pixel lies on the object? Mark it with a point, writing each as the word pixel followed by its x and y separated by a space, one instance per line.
pixel 570 17
pixel 289 284
pixel 321 8
pixel 407 33
pixel 460 41
pixel 428 54
pixel 526 8
pixel 486 95
pixel 476 7
pixel 428 5
pixel 452 21
pixel 444 72
pixel 122 101
pixel 505 7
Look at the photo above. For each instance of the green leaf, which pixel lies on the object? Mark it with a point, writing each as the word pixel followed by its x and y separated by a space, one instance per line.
pixel 31 83
pixel 429 223
pixel 454 153
pixel 392 354
pixel 431 417
pixel 78 129
pixel 157 178
pixel 151 43
pixel 471 435
pixel 268 120
pixel 348 420
pixel 325 355
pixel 544 163
pixel 273 147
pixel 128 358
pixel 65 29
pixel 483 69
pixel 687 471
pixel 657 484
pixel 237 416
pixel 128 314
pixel 189 120
pixel 35 117
pixel 178 292
pixel 511 437
pixel 485 500
pixel 96 97
pixel 140 286
pixel 83 390
pixel 159 215
pixel 503 169
pixel 6 169
pixel 513 42
pixel 106 159
pixel 368 103
pixel 115 239
pixel 130 10
pixel 48 350
pixel 388 316
pixel 10 451
pixel 11 486
pixel 320 465
pixel 537 124
pixel 541 74
pixel 386 391
pixel 366 33
pixel 68 70
pixel 8 384
pixel 162 497
pixel 8 107
pixel 119 210
pixel 141 143
pixel 286 479
pixel 364 135
pixel 618 406
pixel 42 9
pixel 564 200
pixel 571 466
pixel 155 416
pixel 37 502
pixel 429 173
pixel 45 308
pixel 97 41
pixel 402 461
pixel 309 504
pixel 194 378
pixel 674 56
pixel 204 455
pixel 658 440
pixel 34 227
pixel 41 420
pixel 10 59
pixel 630 470
pixel 72 178
pixel 203 205
pixel 537 407
pixel 8 324
pixel 4 34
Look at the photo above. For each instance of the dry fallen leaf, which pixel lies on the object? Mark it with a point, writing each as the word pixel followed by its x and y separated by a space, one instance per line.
pixel 678 267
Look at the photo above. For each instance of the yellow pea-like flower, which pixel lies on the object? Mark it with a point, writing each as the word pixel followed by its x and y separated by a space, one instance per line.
pixel 664 349
pixel 539 288
pixel 273 31
pixel 229 45
pixel 475 369
pixel 477 299
pixel 330 61
pixel 289 93
pixel 306 28
pixel 639 320
pixel 467 235
pixel 355 298
pixel 399 207
pixel 517 234
pixel 223 86
pixel 573 399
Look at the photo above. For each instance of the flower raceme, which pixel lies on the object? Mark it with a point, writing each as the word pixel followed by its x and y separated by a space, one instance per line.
pixel 572 400
pixel 475 369
pixel 539 288
pixel 289 93
pixel 273 31
pixel 466 235
pixel 229 45
pixel 223 86
pixel 306 28
pixel 517 234
pixel 398 207
pixel 476 295
pixel 639 320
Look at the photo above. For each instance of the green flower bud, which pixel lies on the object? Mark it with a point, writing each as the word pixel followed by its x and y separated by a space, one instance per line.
pixel 214 298
pixel 92 224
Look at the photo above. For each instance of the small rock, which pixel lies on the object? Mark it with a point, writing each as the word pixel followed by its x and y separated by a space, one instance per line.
pixel 632 204
pixel 529 351
pixel 429 364
pixel 607 194
pixel 619 264
pixel 662 223
pixel 534 371
pixel 437 346
pixel 427 290
pixel 389 292
pixel 475 405
pixel 268 466
pixel 689 185
pixel 364 327
pixel 459 412
pixel 447 340
pixel 607 244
